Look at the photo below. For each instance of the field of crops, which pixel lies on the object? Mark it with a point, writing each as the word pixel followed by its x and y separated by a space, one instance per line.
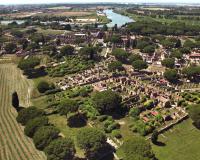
pixel 14 145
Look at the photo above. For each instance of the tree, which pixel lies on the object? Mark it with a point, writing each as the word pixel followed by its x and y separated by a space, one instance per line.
pixel 24 43
pixel 107 101
pixel 88 53
pixel 177 54
pixel 33 125
pixel 134 112
pixel 10 48
pixel 29 63
pixel 60 149
pixel 67 50
pixel 136 148
pixel 134 57
pixel 194 113
pixel 154 136
pixel 66 106
pixel 115 66
pixel 171 75
pixel 149 49
pixel 168 62
pixel 15 100
pixel 44 135
pixel 105 27
pixel 76 120
pixel 115 28
pixel 68 27
pixel 37 38
pixel 139 64
pixel 115 39
pixel 44 86
pixel 120 55
pixel 191 72
pixel 92 141
pixel 27 114
pixel 189 44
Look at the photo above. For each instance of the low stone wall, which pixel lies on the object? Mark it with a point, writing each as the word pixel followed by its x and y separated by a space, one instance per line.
pixel 166 128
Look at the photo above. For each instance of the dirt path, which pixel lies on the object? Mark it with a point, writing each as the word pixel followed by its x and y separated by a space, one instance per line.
pixel 14 145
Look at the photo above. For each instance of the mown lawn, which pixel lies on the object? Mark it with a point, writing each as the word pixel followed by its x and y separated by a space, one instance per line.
pixel 181 143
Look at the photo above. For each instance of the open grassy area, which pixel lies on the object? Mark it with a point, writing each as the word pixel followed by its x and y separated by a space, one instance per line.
pixel 61 123
pixel 181 143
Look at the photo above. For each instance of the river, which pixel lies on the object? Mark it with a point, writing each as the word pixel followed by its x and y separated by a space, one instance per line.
pixel 117 18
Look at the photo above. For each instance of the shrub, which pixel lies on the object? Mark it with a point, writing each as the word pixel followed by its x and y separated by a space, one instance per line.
pixel 44 86
pixel 116 134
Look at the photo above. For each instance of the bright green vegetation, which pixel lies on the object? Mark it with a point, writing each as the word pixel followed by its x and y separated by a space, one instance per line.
pixel 159 19
pixel 61 123
pixel 181 143
pixel 73 64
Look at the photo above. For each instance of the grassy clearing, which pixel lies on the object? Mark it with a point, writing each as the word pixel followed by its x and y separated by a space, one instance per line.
pixel 181 143
pixel 14 144
pixel 61 123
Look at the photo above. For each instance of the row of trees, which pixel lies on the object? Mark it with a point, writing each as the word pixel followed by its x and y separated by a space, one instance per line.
pixel 45 135
pixel 155 27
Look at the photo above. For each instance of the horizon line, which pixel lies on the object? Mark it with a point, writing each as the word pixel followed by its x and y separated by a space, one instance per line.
pixel 153 3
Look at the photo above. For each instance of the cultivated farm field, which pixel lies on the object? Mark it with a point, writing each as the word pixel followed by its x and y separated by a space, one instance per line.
pixel 14 145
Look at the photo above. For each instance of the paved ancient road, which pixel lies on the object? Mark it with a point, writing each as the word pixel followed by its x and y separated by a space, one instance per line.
pixel 14 145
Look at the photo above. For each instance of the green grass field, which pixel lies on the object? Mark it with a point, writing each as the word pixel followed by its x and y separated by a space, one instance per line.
pixel 181 143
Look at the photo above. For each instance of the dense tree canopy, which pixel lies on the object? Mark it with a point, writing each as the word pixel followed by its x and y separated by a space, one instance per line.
pixel 107 101
pixel 139 64
pixel 44 86
pixel 155 27
pixel 194 113
pixel 44 135
pixel 33 125
pixel 191 72
pixel 28 113
pixel 88 53
pixel 171 75
pixel 29 63
pixel 115 66
pixel 120 55
pixel 10 48
pixel 134 57
pixel 60 149
pixel 92 141
pixel 66 106
pixel 168 62
pixel 136 148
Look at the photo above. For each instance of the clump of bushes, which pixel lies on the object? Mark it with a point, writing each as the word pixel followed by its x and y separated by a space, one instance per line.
pixel 110 125
pixel 44 86
pixel 116 134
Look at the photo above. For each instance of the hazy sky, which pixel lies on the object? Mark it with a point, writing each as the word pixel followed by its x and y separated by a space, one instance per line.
pixel 89 1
